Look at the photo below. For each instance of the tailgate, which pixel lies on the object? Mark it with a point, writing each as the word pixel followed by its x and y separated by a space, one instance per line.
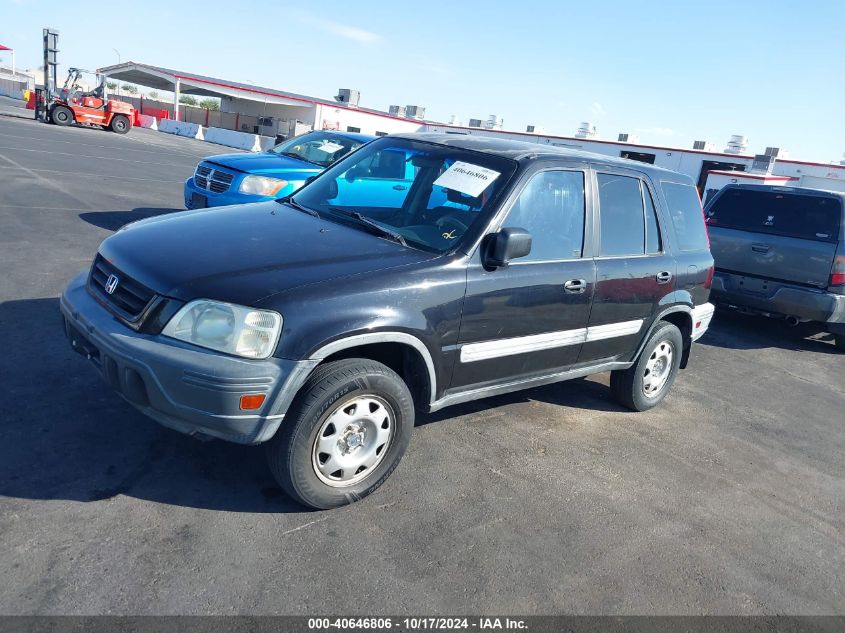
pixel 779 233
pixel 806 262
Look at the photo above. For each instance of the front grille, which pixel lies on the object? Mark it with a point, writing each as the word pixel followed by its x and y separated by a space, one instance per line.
pixel 128 297
pixel 212 178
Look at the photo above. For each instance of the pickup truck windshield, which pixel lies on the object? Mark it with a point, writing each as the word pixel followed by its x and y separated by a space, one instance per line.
pixel 428 195
pixel 808 217
pixel 320 148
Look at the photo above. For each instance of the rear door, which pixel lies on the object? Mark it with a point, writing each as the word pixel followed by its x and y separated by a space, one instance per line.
pixel 633 270
pixel 778 234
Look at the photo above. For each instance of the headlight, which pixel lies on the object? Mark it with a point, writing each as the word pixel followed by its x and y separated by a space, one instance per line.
pixel 262 186
pixel 226 327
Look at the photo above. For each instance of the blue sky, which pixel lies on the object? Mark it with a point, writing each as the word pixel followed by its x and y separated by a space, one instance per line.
pixel 671 72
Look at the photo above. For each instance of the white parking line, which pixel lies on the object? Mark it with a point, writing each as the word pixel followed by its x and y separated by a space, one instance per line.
pixel 78 174
pixel 74 155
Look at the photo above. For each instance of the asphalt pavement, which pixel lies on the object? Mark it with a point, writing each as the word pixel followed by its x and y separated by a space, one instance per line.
pixel 727 499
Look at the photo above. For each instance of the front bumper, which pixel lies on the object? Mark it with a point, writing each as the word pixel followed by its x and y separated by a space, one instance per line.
pixel 183 387
pixel 808 304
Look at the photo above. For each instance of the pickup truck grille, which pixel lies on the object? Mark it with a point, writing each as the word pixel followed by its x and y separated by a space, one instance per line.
pixel 128 298
pixel 212 178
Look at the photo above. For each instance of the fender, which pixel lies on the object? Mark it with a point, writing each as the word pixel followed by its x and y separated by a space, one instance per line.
pixel 681 307
pixel 382 337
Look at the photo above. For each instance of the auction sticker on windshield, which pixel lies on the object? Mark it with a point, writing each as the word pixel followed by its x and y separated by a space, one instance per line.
pixel 330 148
pixel 467 178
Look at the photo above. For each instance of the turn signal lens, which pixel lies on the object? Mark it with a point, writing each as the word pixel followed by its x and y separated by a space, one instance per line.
pixel 252 401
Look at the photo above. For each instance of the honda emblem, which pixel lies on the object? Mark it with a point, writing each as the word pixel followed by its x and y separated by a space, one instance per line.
pixel 111 284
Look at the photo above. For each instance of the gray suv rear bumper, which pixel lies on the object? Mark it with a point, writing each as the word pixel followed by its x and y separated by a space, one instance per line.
pixel 781 299
pixel 183 387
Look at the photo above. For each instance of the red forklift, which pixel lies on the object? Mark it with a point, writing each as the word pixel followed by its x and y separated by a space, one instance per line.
pixel 72 104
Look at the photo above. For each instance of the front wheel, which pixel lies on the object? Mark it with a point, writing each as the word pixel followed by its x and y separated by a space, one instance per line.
pixel 644 384
pixel 119 124
pixel 61 115
pixel 344 435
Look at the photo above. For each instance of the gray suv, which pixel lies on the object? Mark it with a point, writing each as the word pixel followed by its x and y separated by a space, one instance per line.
pixel 780 252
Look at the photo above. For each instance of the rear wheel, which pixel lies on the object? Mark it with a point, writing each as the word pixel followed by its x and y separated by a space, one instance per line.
pixel 120 124
pixel 644 384
pixel 344 435
pixel 61 115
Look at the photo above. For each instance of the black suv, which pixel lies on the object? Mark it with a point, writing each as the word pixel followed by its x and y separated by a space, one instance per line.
pixel 419 272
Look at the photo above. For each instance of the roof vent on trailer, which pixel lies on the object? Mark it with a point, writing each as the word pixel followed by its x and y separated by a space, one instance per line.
pixel 737 145
pixel 348 96
pixel 703 146
pixel 475 123
pixel 415 112
pixel 535 129
pixel 624 137
pixel 397 110
pixel 586 130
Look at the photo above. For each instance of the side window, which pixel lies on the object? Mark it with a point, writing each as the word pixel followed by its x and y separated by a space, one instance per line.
pixel 621 207
pixel 687 216
pixel 551 208
pixel 385 164
pixel 653 243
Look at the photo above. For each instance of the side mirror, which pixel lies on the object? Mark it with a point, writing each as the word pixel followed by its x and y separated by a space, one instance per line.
pixel 353 174
pixel 506 245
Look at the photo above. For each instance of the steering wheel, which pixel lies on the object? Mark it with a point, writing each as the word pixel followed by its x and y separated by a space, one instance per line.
pixel 450 226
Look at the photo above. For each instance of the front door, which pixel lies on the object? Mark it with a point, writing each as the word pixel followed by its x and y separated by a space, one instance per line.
pixel 529 318
pixel 633 272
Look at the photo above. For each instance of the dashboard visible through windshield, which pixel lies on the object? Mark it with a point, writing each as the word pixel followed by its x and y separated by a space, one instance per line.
pixel 319 148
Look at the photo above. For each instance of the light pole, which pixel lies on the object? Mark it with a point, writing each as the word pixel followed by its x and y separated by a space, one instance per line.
pixel 119 62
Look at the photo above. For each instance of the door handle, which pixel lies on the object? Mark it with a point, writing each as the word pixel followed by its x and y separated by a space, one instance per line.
pixel 664 277
pixel 399 187
pixel 575 286
pixel 760 248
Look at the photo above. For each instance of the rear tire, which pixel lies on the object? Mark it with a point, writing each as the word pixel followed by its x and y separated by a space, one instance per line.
pixel 344 434
pixel 61 115
pixel 645 384
pixel 120 124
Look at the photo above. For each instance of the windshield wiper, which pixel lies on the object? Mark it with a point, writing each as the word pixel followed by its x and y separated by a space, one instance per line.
pixel 363 219
pixel 297 157
pixel 290 201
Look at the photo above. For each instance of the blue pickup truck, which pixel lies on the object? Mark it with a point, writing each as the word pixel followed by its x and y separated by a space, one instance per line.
pixel 239 178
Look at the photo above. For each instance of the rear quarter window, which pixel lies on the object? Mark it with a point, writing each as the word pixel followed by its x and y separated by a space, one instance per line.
pixel 686 215
pixel 778 213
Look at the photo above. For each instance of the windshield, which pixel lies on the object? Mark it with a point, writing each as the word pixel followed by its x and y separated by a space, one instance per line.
pixel 320 148
pixel 428 195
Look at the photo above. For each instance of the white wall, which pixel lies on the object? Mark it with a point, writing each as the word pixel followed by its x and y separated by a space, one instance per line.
pixel 688 162
pixel 369 123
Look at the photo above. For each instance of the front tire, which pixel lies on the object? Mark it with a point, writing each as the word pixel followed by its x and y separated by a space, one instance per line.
pixel 119 124
pixel 344 435
pixel 645 384
pixel 61 115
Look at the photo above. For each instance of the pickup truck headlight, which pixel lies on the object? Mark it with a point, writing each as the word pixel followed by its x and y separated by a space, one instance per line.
pixel 226 327
pixel 262 185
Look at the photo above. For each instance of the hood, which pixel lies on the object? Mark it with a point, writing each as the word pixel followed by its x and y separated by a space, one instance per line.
pixel 244 253
pixel 265 164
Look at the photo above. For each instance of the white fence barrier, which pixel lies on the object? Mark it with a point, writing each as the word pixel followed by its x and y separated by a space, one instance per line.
pixel 180 128
pixel 231 138
pixel 149 122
